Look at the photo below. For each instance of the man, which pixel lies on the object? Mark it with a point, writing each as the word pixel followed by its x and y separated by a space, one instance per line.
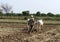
pixel 30 23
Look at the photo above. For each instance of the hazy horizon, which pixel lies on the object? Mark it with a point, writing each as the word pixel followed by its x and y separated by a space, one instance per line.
pixel 44 6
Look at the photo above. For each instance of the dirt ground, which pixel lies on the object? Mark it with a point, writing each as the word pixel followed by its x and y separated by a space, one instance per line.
pixel 18 33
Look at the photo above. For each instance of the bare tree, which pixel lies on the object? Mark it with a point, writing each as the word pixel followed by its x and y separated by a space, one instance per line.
pixel 1 10
pixel 6 8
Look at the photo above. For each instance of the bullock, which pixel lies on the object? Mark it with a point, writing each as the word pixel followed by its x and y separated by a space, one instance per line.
pixel 38 24
pixel 30 25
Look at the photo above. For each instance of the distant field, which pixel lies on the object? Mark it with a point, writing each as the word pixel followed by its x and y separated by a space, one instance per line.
pixel 24 21
pixel 22 17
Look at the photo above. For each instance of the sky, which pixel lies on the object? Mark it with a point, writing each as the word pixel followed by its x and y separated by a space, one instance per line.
pixel 44 6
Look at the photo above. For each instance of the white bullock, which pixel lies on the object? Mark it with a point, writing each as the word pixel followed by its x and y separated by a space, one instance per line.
pixel 39 24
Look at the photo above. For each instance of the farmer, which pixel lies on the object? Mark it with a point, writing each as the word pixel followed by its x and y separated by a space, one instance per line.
pixel 30 23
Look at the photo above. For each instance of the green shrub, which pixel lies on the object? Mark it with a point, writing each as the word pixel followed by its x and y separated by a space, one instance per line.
pixel 25 18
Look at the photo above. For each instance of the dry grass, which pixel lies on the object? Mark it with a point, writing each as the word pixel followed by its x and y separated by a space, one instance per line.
pixel 9 34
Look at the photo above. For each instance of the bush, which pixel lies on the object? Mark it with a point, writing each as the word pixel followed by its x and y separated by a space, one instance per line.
pixel 25 18
pixel 50 14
